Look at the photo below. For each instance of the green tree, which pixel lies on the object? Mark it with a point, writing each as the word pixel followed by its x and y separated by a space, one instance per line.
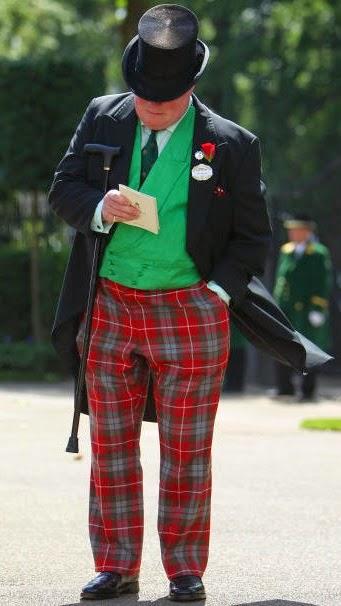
pixel 38 115
pixel 274 68
pixel 37 27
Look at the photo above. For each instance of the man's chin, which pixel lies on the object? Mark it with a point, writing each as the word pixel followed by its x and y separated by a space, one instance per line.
pixel 156 122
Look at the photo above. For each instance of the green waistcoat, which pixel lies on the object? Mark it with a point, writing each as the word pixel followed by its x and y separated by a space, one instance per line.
pixel 137 258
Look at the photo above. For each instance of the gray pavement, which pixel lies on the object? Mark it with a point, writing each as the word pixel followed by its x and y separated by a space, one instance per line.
pixel 276 523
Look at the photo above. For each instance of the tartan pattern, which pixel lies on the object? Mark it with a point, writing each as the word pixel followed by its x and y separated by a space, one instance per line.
pixel 182 336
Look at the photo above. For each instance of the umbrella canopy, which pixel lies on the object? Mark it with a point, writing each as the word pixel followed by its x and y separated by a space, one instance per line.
pixel 264 324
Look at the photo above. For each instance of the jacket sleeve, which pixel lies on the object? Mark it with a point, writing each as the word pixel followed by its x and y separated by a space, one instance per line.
pixel 70 196
pixel 245 252
pixel 323 280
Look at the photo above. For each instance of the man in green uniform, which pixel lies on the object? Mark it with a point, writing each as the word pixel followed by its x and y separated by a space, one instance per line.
pixel 302 290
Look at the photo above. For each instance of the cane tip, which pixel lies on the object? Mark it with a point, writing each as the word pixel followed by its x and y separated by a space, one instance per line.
pixel 72 445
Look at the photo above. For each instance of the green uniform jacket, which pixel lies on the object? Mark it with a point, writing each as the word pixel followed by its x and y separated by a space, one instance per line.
pixel 238 341
pixel 302 285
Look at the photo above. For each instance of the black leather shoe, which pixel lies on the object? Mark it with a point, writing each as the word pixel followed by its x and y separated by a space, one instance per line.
pixel 186 588
pixel 109 585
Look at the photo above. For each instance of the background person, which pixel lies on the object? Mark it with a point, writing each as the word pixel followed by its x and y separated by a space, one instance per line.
pixel 302 289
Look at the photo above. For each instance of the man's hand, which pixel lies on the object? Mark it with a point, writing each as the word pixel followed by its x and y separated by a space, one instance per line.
pixel 316 318
pixel 118 208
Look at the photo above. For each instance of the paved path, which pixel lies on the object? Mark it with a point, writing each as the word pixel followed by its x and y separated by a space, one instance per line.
pixel 276 533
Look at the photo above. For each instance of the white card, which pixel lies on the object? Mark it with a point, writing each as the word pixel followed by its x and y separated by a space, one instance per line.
pixel 148 218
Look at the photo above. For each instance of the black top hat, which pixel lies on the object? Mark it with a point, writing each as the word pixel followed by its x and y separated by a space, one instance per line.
pixel 166 58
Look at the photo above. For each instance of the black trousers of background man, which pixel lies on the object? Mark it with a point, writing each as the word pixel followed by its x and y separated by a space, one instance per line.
pixel 285 384
pixel 234 381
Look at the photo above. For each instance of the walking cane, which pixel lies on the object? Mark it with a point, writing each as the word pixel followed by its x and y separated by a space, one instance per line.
pixel 108 153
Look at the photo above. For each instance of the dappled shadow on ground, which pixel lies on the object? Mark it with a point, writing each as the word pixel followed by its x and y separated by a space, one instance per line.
pixel 276 603
pixel 134 601
pixel 130 601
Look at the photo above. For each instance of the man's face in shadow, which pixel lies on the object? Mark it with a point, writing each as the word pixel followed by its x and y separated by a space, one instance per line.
pixel 158 115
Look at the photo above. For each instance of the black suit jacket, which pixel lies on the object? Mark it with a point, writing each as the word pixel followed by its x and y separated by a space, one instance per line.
pixel 228 232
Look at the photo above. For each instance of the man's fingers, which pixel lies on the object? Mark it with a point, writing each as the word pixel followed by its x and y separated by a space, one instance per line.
pixel 126 212
pixel 121 209
pixel 115 196
pixel 111 217
pixel 114 211
pixel 118 208
pixel 113 200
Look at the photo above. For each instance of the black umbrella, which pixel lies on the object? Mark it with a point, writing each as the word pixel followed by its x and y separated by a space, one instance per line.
pixel 265 325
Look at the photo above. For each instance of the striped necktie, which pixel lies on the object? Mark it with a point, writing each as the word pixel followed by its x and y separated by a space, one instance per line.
pixel 149 155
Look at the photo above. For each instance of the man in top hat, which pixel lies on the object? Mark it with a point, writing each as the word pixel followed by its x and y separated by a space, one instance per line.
pixel 161 313
pixel 302 290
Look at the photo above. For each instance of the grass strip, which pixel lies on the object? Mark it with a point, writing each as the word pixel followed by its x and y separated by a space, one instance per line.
pixel 321 424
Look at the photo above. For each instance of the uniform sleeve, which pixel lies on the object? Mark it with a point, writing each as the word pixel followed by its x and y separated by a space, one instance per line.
pixel 323 282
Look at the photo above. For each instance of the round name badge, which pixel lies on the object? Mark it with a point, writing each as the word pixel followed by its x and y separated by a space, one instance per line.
pixel 202 172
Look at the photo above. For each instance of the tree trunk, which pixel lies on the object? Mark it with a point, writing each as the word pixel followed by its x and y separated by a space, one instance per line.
pixel 134 11
pixel 36 325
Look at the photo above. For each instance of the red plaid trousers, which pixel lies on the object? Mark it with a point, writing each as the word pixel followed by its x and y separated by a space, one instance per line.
pixel 182 338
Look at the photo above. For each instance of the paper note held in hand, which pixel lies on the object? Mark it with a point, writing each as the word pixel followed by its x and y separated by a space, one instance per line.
pixel 148 218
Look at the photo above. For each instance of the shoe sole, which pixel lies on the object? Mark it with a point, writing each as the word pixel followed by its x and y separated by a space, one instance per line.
pixel 124 588
pixel 188 598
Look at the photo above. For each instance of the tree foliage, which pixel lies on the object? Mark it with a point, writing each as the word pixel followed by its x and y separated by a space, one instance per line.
pixel 274 68
pixel 291 78
pixel 37 27
pixel 42 99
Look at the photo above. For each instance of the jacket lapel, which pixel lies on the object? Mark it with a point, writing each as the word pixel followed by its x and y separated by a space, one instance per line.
pixel 118 128
pixel 200 192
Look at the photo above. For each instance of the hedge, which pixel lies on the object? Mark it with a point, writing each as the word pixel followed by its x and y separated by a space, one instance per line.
pixel 29 361
pixel 20 358
pixel 15 291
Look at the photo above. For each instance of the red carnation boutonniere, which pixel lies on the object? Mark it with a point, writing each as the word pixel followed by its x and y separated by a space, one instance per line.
pixel 209 150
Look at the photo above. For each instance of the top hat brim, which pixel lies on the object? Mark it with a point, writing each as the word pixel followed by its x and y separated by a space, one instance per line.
pixel 160 89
